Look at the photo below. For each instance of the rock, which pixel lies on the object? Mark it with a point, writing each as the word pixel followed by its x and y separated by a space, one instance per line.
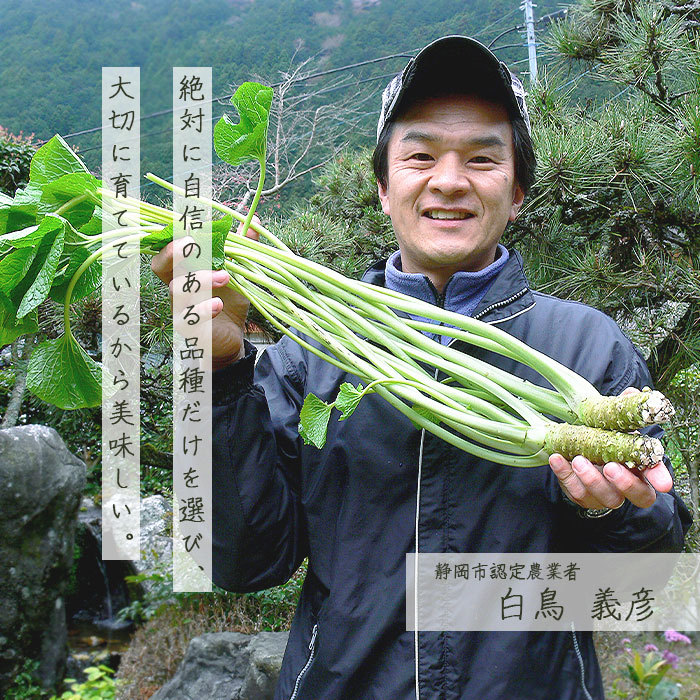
pixel 42 484
pixel 266 652
pixel 228 666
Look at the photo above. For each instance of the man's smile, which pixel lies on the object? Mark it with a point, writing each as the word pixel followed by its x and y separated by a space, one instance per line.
pixel 447 214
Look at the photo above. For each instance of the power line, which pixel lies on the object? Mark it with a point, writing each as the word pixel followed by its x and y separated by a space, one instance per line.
pixel 302 79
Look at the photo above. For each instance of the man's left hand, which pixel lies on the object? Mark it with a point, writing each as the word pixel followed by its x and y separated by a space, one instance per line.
pixel 608 486
pixel 595 486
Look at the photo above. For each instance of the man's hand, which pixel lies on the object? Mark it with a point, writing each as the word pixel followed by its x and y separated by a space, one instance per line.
pixel 608 486
pixel 228 309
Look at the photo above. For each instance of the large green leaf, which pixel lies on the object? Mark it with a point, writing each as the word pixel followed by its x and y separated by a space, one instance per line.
pixel 67 187
pixel 16 215
pixel 29 261
pixel 61 373
pixel 10 327
pixel 45 272
pixel 19 249
pixel 313 421
pixel 247 140
pixel 53 159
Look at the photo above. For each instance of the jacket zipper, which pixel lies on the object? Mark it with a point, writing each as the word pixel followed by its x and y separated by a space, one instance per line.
pixel 312 650
pixel 440 302
pixel 499 304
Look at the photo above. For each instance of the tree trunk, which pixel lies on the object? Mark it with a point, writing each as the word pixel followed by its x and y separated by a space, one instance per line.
pixel 693 470
pixel 15 403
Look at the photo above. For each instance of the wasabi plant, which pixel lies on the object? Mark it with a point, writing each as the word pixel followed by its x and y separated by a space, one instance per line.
pixel 52 243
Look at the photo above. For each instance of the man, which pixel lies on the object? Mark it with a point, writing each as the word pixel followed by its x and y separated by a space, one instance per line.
pixel 454 161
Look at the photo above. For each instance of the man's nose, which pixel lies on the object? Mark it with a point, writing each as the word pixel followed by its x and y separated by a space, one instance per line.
pixel 449 176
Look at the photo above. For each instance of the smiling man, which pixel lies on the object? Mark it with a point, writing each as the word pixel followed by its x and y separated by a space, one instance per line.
pixel 454 161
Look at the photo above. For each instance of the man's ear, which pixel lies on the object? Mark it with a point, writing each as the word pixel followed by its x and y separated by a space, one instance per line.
pixel 518 197
pixel 384 198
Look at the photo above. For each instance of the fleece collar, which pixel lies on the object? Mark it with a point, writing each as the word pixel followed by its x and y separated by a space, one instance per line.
pixel 508 295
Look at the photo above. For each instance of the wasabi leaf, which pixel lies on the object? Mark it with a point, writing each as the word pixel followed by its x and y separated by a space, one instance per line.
pixel 247 140
pixel 19 250
pixel 15 216
pixel 348 398
pixel 54 159
pixel 39 288
pixel 67 187
pixel 313 421
pixel 88 282
pixel 10 327
pixel 60 372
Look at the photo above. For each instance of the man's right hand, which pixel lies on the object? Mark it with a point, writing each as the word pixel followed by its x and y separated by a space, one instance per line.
pixel 227 309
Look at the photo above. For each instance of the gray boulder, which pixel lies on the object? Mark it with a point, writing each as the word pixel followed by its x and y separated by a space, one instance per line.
pixel 41 487
pixel 228 666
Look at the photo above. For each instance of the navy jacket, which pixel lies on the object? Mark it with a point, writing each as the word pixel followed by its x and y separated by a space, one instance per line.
pixel 351 509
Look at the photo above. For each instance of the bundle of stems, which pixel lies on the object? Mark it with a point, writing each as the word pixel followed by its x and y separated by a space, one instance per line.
pixel 364 330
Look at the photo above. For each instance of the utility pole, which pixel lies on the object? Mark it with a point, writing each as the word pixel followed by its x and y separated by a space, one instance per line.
pixel 531 46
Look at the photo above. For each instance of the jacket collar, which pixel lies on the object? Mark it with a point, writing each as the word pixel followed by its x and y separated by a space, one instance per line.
pixel 508 295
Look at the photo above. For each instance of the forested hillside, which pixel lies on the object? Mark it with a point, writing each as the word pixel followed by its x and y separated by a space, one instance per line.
pixel 51 53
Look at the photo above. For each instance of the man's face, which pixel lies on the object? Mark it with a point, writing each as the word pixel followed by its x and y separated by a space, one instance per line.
pixel 451 185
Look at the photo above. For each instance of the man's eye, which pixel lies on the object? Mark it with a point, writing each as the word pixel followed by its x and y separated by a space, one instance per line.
pixel 421 156
pixel 480 159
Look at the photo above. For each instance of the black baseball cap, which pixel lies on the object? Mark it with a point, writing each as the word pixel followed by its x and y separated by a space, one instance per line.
pixel 453 64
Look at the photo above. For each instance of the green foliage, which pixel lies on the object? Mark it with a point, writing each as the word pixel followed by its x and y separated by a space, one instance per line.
pixel 271 607
pixel 159 592
pixel 648 673
pixel 613 217
pixel 68 44
pixel 99 685
pixel 24 685
pixel 52 257
pixel 247 140
pixel 15 156
pixel 276 604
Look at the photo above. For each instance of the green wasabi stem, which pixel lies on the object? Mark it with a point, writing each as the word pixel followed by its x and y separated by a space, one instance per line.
pixel 628 412
pixel 405 339
pixel 598 446
pixel 512 437
pixel 138 232
pixel 147 213
pixel 217 206
pixel 573 391
pixel 603 446
pixel 256 199
pixel 70 204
